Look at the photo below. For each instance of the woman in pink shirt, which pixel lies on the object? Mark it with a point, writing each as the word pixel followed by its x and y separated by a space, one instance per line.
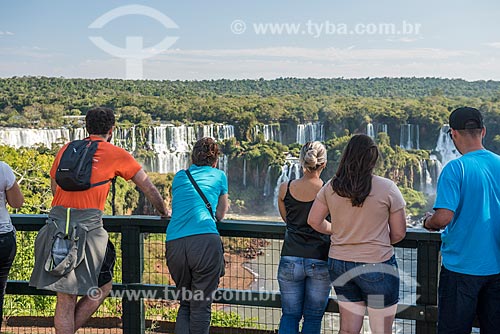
pixel 367 217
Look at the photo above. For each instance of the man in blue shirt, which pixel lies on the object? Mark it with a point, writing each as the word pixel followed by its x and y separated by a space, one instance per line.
pixel 468 205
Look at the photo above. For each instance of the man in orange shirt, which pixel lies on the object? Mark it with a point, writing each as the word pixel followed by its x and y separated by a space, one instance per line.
pixel 88 257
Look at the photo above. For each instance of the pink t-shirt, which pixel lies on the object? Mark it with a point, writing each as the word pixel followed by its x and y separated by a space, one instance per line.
pixel 361 234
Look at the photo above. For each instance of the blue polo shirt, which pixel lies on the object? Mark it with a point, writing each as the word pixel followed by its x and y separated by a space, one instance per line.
pixel 190 216
pixel 470 187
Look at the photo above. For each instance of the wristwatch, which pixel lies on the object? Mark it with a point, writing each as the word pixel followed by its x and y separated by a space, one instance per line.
pixel 424 219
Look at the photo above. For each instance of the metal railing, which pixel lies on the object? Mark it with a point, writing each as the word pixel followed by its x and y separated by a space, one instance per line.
pixel 132 229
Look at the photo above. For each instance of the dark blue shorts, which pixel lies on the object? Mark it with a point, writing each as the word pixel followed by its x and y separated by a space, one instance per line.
pixel 376 284
pixel 462 296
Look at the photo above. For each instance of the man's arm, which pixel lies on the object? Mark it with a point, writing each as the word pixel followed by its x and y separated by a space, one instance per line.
pixel 222 207
pixel 14 196
pixel 440 219
pixel 142 180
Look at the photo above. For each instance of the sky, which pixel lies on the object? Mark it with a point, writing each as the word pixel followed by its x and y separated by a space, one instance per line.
pixel 199 40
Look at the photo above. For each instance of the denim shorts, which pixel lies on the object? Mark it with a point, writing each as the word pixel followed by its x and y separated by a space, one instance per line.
pixel 376 284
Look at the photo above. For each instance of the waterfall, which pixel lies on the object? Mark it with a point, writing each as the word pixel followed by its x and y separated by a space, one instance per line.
pixel 267 182
pixel 409 136
pixel 369 130
pixel 223 163
pixel 244 173
pixel 125 138
pixel 225 131
pixel 172 144
pixel 20 137
pixel 271 132
pixel 445 146
pixel 425 179
pixel 435 167
pixel 310 132
pixel 381 128
pixel 78 133
pixel 289 171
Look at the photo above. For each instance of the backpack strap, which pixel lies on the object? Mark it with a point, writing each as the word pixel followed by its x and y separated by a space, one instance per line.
pixel 113 184
pixel 202 195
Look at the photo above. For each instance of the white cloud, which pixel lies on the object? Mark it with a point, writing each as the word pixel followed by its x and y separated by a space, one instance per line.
pixel 275 62
pixel 328 54
pixel 29 52
pixel 403 39
pixel 6 33
pixel 495 45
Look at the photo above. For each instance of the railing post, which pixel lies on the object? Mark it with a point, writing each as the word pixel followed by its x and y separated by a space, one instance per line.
pixel 132 244
pixel 428 262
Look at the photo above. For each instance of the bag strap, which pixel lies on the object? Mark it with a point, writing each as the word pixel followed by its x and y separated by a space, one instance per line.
pixel 113 196
pixel 203 197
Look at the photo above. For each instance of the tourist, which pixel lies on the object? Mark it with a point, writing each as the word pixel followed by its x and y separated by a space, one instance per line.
pixel 10 193
pixel 468 207
pixel 194 251
pixel 367 216
pixel 303 270
pixel 86 254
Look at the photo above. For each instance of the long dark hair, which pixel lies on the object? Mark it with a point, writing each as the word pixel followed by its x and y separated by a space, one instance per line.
pixel 353 178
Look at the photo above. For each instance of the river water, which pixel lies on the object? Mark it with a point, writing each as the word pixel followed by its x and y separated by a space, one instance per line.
pixel 265 269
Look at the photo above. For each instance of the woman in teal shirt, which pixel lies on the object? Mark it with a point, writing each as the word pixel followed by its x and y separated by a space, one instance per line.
pixel 194 252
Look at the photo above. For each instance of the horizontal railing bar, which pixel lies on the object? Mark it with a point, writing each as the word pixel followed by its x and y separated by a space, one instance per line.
pixel 229 227
pixel 225 296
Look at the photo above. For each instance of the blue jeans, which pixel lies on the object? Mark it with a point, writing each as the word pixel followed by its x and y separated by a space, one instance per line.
pixel 305 287
pixel 461 296
pixel 376 284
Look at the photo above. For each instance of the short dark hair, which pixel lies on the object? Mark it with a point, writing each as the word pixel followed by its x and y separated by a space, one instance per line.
pixel 99 121
pixel 475 133
pixel 205 152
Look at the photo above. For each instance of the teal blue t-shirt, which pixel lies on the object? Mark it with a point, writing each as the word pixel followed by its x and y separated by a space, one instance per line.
pixel 190 216
pixel 470 187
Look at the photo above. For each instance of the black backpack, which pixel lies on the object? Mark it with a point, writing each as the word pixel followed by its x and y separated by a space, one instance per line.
pixel 75 166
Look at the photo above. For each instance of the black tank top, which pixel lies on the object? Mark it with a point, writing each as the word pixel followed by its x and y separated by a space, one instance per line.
pixel 300 238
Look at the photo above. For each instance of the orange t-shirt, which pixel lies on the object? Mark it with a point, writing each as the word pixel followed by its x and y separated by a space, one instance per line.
pixel 109 161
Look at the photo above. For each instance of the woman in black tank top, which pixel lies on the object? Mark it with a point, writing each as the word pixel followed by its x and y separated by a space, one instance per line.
pixel 303 270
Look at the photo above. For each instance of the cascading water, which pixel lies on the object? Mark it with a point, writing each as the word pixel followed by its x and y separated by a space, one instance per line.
pixel 289 171
pixel 223 163
pixel 271 132
pixel 425 181
pixel 244 172
pixel 310 132
pixel 410 136
pixel 381 128
pixel 267 182
pixel 373 129
pixel 435 167
pixel 20 137
pixel 445 146
pixel 172 144
pixel 369 130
